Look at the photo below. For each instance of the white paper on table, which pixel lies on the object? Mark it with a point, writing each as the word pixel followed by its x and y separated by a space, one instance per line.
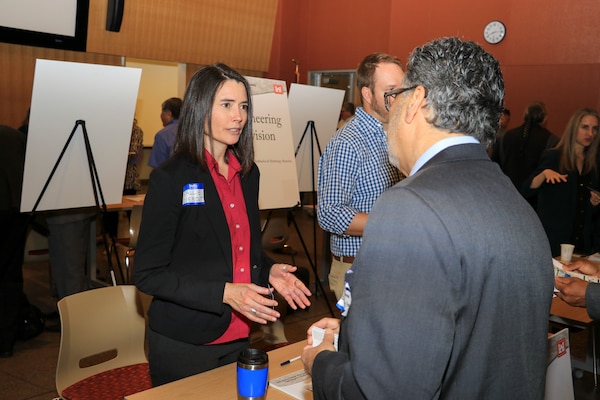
pixel 298 384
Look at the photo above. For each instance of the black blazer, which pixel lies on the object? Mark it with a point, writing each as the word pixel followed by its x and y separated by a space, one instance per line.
pixel 557 204
pixel 519 158
pixel 183 256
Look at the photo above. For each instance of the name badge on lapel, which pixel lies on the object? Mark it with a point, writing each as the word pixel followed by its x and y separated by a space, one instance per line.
pixel 193 194
pixel 346 300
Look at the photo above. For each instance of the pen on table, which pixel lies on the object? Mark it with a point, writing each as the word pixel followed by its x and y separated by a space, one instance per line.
pixel 290 361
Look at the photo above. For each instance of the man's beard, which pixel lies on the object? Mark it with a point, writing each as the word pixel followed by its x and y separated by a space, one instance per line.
pixel 380 110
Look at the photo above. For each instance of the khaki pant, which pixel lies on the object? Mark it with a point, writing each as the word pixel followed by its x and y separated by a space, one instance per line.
pixel 337 277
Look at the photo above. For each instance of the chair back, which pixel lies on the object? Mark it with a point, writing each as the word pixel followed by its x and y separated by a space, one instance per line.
pixel 102 329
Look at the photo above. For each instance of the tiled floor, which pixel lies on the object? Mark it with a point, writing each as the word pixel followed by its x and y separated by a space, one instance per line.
pixel 29 374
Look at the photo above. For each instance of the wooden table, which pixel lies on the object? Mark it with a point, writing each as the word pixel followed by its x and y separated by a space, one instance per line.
pixel 127 203
pixel 577 317
pixel 220 383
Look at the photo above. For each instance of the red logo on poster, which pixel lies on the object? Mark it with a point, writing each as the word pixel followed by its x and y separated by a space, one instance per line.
pixel 277 89
pixel 561 347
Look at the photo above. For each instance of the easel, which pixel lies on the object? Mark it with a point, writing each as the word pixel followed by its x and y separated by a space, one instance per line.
pixel 310 128
pixel 96 188
pixel 314 138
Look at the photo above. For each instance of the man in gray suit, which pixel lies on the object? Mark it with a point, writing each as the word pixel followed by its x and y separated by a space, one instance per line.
pixel 450 293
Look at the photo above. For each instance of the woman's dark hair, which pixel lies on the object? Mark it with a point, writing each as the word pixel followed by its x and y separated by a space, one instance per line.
pixel 196 117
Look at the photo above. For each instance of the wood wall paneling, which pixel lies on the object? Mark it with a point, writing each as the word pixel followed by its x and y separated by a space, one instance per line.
pixel 236 32
pixel 17 66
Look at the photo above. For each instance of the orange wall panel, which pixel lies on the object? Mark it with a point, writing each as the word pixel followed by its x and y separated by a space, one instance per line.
pixel 563 88
pixel 550 53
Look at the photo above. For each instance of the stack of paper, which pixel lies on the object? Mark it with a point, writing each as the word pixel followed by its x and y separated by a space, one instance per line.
pixel 560 271
pixel 298 384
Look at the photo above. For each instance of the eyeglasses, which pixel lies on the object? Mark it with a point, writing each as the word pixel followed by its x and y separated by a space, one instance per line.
pixel 393 94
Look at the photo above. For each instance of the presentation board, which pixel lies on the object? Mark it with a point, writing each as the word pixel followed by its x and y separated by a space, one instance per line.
pixel 322 106
pixel 273 144
pixel 63 93
pixel 559 381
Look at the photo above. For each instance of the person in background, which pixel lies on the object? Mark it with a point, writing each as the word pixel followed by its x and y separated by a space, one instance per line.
pixel 493 149
pixel 13 234
pixel 199 250
pixel 136 147
pixel 450 256
pixel 504 121
pixel 565 183
pixel 521 148
pixel 577 292
pixel 354 168
pixel 132 183
pixel 346 113
pixel 164 139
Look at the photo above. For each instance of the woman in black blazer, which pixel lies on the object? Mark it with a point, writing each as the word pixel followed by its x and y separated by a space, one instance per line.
pixel 199 249
pixel 563 180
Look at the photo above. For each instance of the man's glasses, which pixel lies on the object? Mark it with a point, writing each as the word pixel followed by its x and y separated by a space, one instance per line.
pixel 389 97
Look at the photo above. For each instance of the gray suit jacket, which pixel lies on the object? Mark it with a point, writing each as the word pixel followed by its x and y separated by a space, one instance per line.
pixel 592 300
pixel 451 291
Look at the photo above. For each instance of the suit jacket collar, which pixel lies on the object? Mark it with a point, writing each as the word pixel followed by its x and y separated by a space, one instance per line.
pixel 438 147
pixel 468 151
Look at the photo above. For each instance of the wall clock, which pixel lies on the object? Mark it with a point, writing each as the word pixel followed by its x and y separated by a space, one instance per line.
pixel 494 32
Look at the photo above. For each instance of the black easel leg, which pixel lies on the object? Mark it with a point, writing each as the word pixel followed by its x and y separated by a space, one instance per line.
pixel 310 128
pixel 98 195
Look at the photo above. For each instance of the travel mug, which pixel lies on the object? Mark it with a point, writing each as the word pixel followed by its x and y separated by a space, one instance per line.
pixel 252 374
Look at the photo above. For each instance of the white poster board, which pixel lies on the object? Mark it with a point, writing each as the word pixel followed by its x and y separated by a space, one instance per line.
pixel 559 381
pixel 322 106
pixel 273 144
pixel 63 93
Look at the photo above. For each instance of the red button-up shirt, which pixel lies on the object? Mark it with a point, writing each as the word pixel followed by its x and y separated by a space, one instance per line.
pixel 229 187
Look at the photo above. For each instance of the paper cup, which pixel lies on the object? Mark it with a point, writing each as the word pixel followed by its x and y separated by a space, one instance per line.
pixel 566 252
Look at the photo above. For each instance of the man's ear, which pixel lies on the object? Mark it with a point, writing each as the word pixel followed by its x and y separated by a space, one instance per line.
pixel 415 103
pixel 367 95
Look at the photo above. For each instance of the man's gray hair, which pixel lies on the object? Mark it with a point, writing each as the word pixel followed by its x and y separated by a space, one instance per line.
pixel 464 86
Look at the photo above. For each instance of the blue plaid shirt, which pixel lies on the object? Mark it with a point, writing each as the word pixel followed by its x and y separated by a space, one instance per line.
pixel 353 172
